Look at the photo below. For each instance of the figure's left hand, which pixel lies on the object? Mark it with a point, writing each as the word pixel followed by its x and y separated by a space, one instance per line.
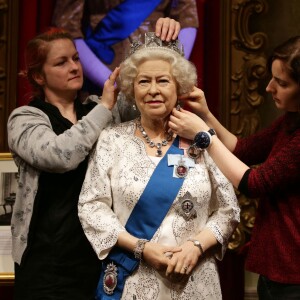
pixel 167 29
pixel 182 263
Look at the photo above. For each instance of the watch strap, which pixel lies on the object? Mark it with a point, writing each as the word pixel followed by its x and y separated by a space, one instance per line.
pixel 197 244
pixel 212 132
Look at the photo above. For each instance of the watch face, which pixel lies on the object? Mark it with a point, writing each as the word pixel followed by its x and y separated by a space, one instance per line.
pixel 202 140
pixel 196 243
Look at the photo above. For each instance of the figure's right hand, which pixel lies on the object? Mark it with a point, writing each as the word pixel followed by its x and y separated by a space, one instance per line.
pixel 110 93
pixel 156 255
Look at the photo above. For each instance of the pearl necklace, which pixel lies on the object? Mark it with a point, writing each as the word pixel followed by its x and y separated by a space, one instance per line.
pixel 150 142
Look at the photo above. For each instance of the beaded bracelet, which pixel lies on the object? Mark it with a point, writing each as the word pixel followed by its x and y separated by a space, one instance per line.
pixel 139 248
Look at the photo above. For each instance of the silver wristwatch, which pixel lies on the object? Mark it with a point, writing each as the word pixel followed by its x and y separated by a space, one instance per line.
pixel 197 244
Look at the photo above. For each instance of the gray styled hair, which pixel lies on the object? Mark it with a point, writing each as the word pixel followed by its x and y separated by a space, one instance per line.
pixel 183 71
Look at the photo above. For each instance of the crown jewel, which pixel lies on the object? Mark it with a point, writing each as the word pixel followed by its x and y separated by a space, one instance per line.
pixel 152 41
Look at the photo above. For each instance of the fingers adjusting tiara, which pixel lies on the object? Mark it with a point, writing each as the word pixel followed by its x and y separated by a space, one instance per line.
pixel 151 41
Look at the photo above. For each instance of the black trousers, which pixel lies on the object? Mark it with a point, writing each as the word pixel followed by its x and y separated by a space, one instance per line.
pixel 271 290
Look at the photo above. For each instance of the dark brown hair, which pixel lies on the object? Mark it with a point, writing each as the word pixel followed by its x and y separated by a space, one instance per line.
pixel 36 54
pixel 289 53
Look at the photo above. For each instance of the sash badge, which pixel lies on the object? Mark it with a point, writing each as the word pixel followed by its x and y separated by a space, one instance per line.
pixel 110 278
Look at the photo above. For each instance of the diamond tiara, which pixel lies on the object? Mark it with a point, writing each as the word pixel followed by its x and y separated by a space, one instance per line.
pixel 152 41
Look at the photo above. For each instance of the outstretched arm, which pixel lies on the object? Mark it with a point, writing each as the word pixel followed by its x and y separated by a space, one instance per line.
pixel 98 72
pixel 93 68
pixel 188 124
pixel 196 102
pixel 187 37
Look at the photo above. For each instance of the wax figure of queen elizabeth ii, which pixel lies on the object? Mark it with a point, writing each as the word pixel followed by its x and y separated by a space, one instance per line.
pixel 156 213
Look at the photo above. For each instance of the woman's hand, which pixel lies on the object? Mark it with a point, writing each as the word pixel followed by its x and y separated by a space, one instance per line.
pixel 167 29
pixel 182 263
pixel 196 102
pixel 156 255
pixel 109 94
pixel 186 124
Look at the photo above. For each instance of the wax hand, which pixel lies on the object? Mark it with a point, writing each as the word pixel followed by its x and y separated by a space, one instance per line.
pixel 196 102
pixel 182 263
pixel 109 94
pixel 167 29
pixel 155 255
pixel 186 124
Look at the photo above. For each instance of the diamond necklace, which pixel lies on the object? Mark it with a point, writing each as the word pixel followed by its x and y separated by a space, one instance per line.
pixel 150 142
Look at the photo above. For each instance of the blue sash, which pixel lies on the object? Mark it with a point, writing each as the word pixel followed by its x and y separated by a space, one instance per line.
pixel 144 220
pixel 117 25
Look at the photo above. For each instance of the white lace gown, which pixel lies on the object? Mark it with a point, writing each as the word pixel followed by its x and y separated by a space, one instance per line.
pixel 119 169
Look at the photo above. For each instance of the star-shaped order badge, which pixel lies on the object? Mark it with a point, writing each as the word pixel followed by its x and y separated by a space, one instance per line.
pixel 186 205
pixel 181 164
